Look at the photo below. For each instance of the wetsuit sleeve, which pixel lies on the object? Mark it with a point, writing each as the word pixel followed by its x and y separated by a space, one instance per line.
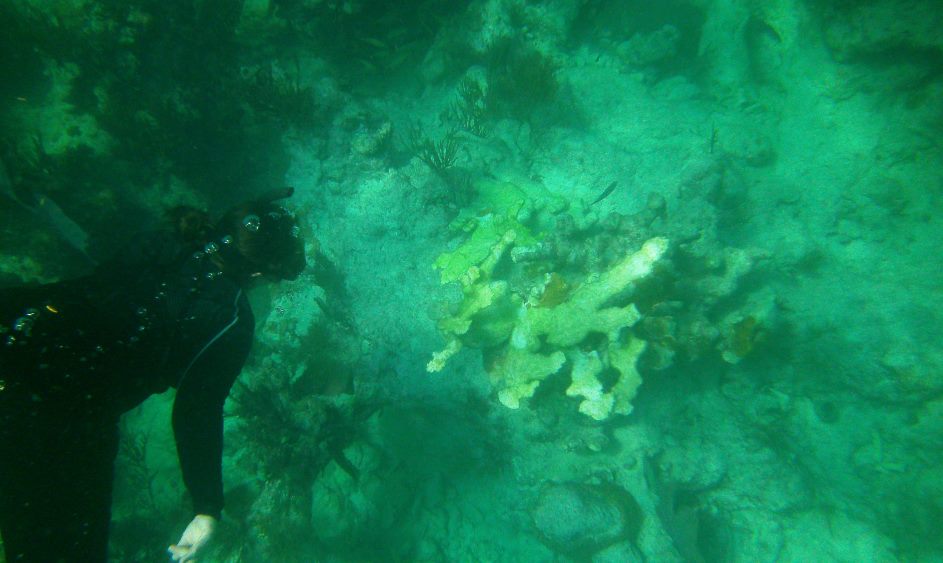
pixel 198 414
pixel 146 250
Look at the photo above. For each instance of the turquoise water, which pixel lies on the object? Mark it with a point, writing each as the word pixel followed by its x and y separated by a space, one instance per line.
pixel 590 280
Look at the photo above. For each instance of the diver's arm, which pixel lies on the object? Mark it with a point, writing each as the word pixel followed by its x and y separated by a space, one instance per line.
pixel 198 415
pixel 146 250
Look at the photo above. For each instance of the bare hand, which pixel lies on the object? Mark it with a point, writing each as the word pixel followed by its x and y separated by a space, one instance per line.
pixel 196 535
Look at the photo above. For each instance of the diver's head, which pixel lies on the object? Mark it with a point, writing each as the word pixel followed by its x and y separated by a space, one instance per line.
pixel 261 238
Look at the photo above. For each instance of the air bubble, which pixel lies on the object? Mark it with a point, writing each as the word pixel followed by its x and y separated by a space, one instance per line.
pixel 251 223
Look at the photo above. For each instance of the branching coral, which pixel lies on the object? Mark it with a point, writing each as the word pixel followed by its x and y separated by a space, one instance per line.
pixel 534 332
pixel 565 326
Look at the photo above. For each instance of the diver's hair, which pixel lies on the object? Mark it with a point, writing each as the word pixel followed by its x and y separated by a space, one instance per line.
pixel 261 236
pixel 255 246
pixel 247 242
pixel 191 225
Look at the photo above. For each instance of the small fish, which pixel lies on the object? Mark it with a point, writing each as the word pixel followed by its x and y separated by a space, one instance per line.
pixel 6 187
pixel 374 42
pixel 49 212
pixel 56 218
pixel 399 58
pixel 367 65
pixel 605 193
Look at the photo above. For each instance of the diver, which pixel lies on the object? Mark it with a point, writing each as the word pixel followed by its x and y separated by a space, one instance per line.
pixel 171 311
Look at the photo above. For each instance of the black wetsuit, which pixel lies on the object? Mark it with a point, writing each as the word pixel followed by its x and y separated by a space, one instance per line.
pixel 75 355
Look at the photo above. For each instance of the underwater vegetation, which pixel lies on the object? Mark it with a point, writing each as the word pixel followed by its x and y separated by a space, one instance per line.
pixel 469 108
pixel 521 80
pixel 280 94
pixel 439 155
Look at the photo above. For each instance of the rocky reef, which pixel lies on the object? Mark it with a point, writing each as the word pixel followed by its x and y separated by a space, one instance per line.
pixel 671 265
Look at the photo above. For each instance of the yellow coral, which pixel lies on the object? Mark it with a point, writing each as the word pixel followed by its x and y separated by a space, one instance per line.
pixel 530 341
pixel 570 322
pixel 518 373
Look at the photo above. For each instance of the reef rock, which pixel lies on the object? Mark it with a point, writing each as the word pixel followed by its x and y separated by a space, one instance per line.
pixel 580 520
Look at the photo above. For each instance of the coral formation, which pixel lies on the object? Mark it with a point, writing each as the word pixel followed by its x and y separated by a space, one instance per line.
pixel 549 290
pixel 579 520
pixel 531 333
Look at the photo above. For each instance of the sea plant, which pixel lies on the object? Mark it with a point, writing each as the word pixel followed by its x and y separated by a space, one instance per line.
pixel 521 80
pixel 281 95
pixel 470 107
pixel 439 154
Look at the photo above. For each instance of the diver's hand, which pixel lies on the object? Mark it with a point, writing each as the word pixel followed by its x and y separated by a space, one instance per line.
pixel 196 536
